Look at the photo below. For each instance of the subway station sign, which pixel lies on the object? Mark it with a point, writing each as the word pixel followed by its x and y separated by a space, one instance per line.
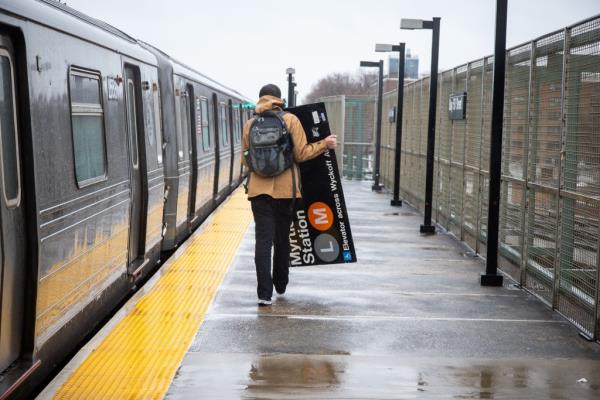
pixel 457 106
pixel 320 232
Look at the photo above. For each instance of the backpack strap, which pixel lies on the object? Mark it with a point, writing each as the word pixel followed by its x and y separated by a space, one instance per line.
pixel 293 203
pixel 247 182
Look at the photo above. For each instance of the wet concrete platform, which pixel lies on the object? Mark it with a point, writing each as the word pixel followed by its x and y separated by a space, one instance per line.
pixel 408 321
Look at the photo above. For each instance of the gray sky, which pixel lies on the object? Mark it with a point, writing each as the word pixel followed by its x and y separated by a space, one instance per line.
pixel 244 44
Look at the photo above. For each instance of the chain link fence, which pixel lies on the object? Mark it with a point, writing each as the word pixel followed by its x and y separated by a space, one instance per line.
pixel 550 195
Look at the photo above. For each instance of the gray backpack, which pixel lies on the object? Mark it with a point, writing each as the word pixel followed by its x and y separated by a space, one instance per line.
pixel 270 144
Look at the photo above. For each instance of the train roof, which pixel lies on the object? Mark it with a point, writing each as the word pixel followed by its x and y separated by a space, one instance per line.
pixel 60 17
pixel 182 69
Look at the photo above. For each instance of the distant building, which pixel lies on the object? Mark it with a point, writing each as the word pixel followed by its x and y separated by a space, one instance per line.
pixel 411 66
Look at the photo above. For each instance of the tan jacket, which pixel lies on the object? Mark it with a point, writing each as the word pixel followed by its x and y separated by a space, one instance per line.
pixel 280 186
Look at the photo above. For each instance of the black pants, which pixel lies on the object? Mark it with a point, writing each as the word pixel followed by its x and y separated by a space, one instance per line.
pixel 272 218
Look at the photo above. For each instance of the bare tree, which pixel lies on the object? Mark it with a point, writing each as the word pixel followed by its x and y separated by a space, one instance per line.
pixel 342 83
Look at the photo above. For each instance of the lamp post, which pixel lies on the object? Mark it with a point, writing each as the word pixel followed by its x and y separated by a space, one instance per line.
pixel 491 276
pixel 434 25
pixel 291 85
pixel 400 48
pixel 376 186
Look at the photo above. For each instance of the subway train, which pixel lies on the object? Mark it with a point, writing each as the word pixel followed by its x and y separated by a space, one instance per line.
pixel 111 154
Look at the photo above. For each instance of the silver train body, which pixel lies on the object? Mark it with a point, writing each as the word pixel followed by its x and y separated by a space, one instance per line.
pixel 111 154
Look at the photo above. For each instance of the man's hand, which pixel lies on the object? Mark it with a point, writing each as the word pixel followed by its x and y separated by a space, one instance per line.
pixel 331 141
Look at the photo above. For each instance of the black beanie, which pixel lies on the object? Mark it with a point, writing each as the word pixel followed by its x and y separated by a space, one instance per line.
pixel 270 90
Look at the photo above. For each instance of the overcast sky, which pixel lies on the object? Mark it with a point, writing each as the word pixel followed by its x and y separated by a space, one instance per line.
pixel 244 44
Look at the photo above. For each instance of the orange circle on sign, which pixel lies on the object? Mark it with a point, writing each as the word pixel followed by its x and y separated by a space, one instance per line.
pixel 320 216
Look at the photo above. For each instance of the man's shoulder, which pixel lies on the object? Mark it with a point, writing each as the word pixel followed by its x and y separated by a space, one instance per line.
pixel 288 117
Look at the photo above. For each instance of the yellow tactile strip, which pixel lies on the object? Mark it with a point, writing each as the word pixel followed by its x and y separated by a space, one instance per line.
pixel 139 358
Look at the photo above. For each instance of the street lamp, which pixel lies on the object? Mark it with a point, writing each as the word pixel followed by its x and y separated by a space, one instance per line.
pixel 376 186
pixel 491 276
pixel 434 25
pixel 396 201
pixel 291 85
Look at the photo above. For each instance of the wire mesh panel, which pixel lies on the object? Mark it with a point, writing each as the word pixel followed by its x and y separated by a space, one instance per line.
pixel 472 153
pixel 511 228
pixel 543 161
pixel 474 115
pixel 359 132
pixel 457 159
pixel 514 150
pixel 388 139
pixel 540 242
pixel 440 108
pixel 412 140
pixel 546 112
pixel 582 163
pixel 578 285
pixel 488 78
pixel 515 111
pixel 407 110
pixel 445 146
pixel 335 113
pixel 421 149
pixel 580 213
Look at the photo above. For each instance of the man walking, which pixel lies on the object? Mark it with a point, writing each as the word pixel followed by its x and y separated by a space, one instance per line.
pixel 272 196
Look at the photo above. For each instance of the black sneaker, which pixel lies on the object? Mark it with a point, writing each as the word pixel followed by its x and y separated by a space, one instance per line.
pixel 280 290
pixel 264 303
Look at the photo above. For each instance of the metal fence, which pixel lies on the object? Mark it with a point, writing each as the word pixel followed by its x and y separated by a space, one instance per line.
pixel 550 198
pixel 352 118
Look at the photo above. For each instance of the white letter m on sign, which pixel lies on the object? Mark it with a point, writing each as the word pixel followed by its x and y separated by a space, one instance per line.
pixel 320 216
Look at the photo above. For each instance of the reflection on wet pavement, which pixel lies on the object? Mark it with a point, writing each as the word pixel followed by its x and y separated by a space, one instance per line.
pixel 297 376
pixel 305 372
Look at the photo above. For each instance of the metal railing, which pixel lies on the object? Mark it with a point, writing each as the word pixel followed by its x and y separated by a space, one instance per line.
pixel 550 199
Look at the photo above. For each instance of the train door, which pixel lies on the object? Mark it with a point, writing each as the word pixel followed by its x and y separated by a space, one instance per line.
pixel 241 132
pixel 233 132
pixel 136 148
pixel 188 113
pixel 217 126
pixel 12 217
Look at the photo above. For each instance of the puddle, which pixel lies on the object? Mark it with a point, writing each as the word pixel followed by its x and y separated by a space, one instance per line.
pixel 270 372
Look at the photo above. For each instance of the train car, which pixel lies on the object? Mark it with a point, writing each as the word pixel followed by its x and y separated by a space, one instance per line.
pixel 96 153
pixel 205 129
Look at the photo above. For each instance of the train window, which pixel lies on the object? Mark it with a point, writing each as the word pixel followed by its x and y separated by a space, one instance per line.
pixel 178 122
pixel 87 123
pixel 11 174
pixel 185 123
pixel 236 126
pixel 182 114
pixel 205 129
pixel 157 126
pixel 131 120
pixel 224 124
